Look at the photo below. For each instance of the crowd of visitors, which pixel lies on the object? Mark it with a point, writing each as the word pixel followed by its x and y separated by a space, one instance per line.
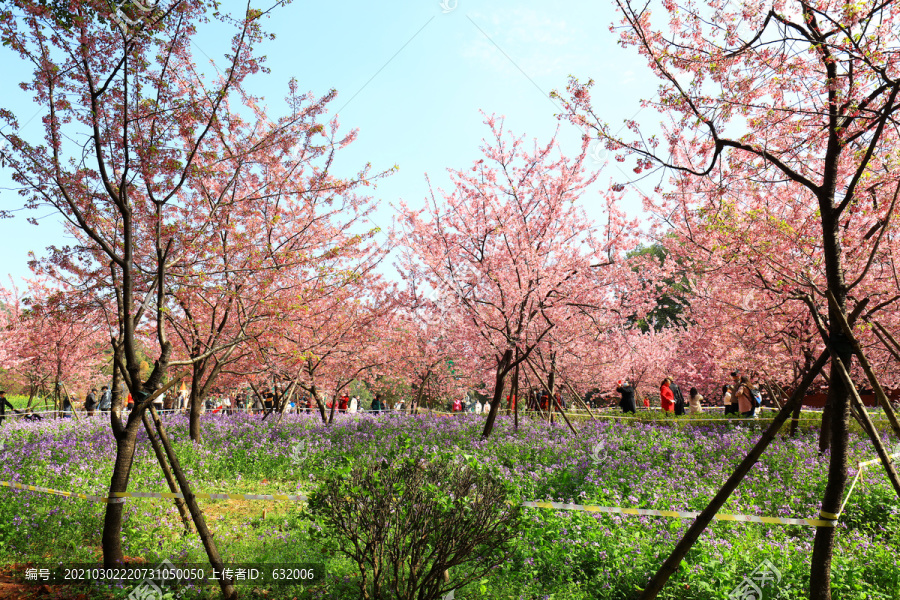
pixel 741 397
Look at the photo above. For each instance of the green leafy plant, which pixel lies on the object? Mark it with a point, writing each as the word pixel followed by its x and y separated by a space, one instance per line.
pixel 417 529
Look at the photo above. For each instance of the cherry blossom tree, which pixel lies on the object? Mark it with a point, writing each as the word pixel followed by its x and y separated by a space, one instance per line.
pixel 513 250
pixel 282 222
pixel 49 340
pixel 128 126
pixel 797 118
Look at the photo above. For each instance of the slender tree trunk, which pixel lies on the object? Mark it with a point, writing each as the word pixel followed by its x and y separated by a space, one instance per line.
pixel 795 418
pixel 515 393
pixel 839 403
pixel 421 391
pixel 196 403
pixel 111 540
pixel 334 403
pixel 286 400
pixel 551 386
pixel 319 404
pixel 30 396
pixel 502 369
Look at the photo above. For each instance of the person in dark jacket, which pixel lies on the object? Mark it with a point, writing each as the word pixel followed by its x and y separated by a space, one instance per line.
pixel 377 404
pixel 3 404
pixel 105 399
pixel 90 402
pixel 679 397
pixel 67 407
pixel 627 402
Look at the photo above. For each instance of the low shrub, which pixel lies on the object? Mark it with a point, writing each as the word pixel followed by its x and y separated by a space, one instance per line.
pixel 416 529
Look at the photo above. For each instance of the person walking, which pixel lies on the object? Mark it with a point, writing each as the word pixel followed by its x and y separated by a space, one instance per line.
pixel 457 406
pixel 755 393
pixel 695 400
pixel 344 404
pixel 105 400
pixel 666 397
pixel 679 397
pixel 745 398
pixel 627 402
pixel 354 405
pixel 90 402
pixel 67 407
pixel 733 388
pixel 3 404
pixel 726 401
pixel 377 404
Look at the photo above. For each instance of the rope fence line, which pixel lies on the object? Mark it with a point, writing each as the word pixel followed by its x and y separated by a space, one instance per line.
pixel 34 488
pixel 826 519
pixel 205 496
pixel 676 514
pixel 859 471
pixel 119 497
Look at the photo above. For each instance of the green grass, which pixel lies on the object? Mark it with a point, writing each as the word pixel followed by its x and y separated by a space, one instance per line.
pixel 661 464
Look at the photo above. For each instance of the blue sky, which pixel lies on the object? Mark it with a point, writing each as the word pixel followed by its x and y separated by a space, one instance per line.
pixel 412 78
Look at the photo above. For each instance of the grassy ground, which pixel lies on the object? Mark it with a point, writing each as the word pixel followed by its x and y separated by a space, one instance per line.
pixel 647 463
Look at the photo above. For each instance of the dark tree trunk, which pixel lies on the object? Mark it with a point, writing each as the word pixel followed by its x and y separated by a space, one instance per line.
pixel 196 403
pixel 839 403
pixel 319 404
pixel 111 541
pixel 825 428
pixel 334 403
pixel 420 392
pixel 503 366
pixel 514 394
pixel 551 387
pixel 795 419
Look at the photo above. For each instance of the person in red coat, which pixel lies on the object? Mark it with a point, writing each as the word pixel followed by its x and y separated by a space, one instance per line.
pixel 666 396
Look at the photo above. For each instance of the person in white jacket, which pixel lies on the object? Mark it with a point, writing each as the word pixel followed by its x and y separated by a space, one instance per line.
pixel 354 405
pixel 695 401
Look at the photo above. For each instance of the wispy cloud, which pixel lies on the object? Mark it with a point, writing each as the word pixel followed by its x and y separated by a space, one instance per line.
pixel 538 42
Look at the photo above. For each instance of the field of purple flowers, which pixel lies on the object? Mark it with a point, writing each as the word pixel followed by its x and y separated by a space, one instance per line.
pixel 559 555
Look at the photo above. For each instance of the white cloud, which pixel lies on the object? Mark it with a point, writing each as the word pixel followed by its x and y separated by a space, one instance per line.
pixel 536 42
